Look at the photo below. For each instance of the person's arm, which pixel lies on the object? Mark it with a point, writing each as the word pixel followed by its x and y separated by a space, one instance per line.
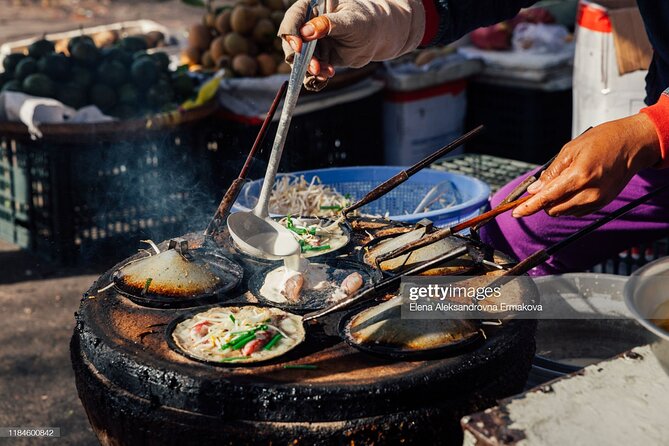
pixel 659 116
pixel 448 20
pixel 356 32
pixel 592 170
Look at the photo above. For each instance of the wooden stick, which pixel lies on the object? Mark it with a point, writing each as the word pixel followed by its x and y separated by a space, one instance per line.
pixel 385 284
pixel 231 194
pixel 522 187
pixel 441 234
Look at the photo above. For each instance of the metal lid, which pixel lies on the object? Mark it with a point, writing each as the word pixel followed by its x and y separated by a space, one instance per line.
pixel 381 330
pixel 177 275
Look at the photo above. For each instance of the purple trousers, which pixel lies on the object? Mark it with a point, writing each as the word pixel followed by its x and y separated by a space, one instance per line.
pixel 521 237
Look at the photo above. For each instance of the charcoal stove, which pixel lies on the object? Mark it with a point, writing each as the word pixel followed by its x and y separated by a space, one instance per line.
pixel 137 390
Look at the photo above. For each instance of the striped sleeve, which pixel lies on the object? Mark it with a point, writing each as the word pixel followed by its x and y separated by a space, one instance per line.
pixel 659 114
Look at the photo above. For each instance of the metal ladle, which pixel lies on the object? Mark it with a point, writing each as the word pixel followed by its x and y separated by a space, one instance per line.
pixel 254 232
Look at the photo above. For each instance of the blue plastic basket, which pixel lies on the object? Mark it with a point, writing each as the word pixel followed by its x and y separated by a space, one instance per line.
pixel 357 181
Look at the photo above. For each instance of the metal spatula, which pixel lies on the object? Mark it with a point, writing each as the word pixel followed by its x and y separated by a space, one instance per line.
pixel 254 232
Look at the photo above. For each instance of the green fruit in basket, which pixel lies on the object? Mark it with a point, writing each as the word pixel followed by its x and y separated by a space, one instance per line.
pixel 11 60
pixel 183 85
pixel 56 66
pixel 25 68
pixel 81 76
pixel 78 39
pixel 161 59
pixel 103 96
pixel 40 48
pixel 115 53
pixel 85 53
pixel 12 85
pixel 144 71
pixel 128 94
pixel 132 44
pixel 159 95
pixel 163 78
pixel 72 95
pixel 112 73
pixel 39 84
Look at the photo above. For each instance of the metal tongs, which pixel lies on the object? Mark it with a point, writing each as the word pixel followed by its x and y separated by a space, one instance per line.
pixel 216 224
pixel 535 259
pixel 254 232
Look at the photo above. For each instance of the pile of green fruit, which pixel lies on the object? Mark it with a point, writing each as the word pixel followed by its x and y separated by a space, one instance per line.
pixel 122 80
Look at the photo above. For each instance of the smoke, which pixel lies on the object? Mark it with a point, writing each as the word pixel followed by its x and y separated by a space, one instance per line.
pixel 154 187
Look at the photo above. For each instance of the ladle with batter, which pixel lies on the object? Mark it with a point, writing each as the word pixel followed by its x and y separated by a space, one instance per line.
pixel 254 232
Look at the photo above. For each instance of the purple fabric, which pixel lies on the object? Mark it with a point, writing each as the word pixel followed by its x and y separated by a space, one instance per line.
pixel 522 237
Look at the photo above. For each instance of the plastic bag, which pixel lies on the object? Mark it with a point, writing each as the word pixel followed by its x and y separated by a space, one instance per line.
pixel 539 38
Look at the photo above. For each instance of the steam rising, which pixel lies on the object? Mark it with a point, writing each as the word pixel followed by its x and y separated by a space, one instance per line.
pixel 124 192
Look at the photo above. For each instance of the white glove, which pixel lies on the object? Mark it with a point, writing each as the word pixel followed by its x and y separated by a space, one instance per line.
pixel 353 33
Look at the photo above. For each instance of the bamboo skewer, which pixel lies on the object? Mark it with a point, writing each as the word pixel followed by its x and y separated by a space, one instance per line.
pixel 441 234
pixel 217 221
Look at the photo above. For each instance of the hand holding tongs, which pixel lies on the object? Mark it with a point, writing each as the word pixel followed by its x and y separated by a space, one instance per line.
pixel 255 232
pixel 299 71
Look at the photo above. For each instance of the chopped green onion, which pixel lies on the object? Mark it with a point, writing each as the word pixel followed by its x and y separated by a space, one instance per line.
pixel 252 330
pixel 301 366
pixel 147 285
pixel 331 208
pixel 243 341
pixel 233 358
pixel 273 341
pixel 315 248
pixel 232 318
pixel 347 196
pixel 298 231
pixel 241 335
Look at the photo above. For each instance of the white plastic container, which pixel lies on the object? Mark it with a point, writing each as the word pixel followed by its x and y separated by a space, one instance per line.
pixel 424 110
pixel 600 92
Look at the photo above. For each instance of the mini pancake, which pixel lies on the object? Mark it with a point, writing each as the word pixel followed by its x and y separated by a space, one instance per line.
pixel 306 230
pixel 222 335
pixel 169 279
pixel 321 284
pixel 396 265
pixel 380 330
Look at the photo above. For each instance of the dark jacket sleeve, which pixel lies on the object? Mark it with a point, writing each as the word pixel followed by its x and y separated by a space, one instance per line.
pixel 655 15
pixel 458 17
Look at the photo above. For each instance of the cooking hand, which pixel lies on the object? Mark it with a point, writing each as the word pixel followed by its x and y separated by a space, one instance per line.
pixel 353 33
pixel 590 171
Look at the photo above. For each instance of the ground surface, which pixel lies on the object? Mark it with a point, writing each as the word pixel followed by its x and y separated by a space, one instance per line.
pixel 37 304
pixel 38 300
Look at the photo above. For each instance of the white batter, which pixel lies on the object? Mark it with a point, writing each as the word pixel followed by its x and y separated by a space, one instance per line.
pixel 315 278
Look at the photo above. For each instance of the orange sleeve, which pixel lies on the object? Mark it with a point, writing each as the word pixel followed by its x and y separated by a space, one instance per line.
pixel 659 114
